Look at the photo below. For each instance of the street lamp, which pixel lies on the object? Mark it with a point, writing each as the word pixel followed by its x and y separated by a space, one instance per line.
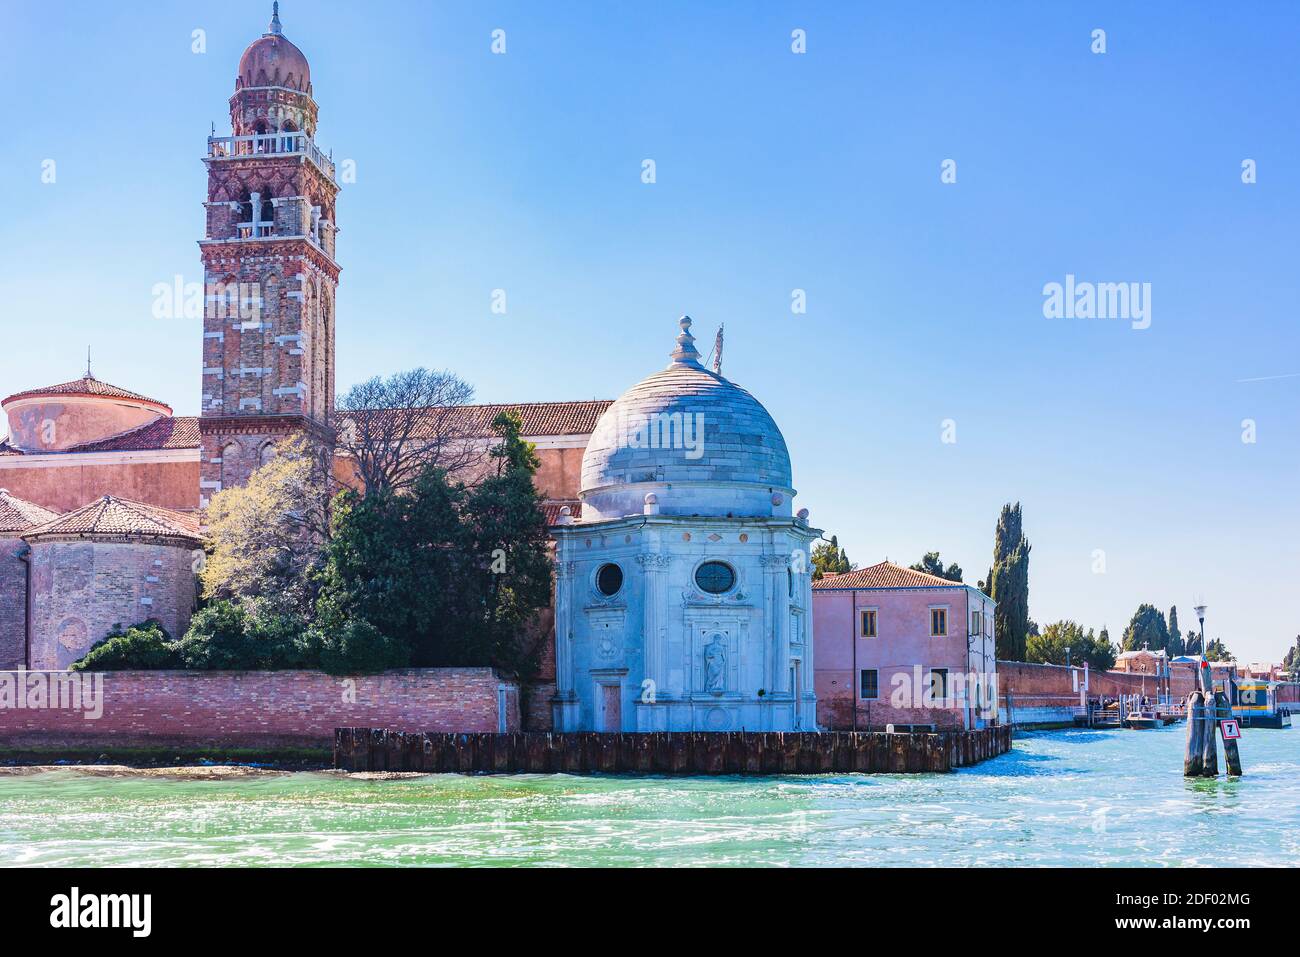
pixel 1200 615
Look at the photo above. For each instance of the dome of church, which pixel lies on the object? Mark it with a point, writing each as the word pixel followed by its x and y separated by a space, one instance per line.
pixel 271 60
pixel 686 441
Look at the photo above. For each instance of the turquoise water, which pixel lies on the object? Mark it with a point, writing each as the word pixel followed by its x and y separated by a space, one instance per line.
pixel 1060 798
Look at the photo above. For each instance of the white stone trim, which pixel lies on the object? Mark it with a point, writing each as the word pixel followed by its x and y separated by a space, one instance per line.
pixel 61 460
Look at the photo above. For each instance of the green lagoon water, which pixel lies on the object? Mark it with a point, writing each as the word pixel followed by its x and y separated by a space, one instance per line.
pixel 1060 798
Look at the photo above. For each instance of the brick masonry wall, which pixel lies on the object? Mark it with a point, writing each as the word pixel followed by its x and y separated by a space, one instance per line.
pixel 82 589
pixel 264 709
pixel 1032 685
pixel 13 604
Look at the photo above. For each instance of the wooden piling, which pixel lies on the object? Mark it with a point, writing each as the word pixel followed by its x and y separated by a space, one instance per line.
pixel 1192 756
pixel 691 752
pixel 1231 755
pixel 1209 743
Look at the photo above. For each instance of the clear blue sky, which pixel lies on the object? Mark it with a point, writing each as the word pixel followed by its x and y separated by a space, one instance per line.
pixel 775 171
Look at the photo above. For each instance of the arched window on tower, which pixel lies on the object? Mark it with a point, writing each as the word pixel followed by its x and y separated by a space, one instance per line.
pixel 229 465
pixel 289 139
pixel 267 219
pixel 265 454
pixel 262 144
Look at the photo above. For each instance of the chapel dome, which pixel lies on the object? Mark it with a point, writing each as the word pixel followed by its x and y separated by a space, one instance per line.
pixel 271 60
pixel 58 417
pixel 697 442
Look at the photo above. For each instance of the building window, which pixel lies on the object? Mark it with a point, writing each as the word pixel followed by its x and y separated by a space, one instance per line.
pixel 868 629
pixel 976 626
pixel 938 622
pixel 609 580
pixel 870 686
pixel 715 578
pixel 939 684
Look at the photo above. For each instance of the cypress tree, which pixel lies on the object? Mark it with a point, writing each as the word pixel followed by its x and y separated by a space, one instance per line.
pixel 1009 584
pixel 1175 646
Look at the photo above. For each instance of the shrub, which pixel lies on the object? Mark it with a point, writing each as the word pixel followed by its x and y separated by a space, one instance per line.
pixel 357 647
pixel 225 636
pixel 144 647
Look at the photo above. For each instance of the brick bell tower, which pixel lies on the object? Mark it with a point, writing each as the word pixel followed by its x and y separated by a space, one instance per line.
pixel 269 270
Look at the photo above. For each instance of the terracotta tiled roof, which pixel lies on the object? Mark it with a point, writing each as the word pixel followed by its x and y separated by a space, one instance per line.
pixel 86 385
pixel 884 575
pixel 171 432
pixel 19 515
pixel 539 418
pixel 553 506
pixel 109 516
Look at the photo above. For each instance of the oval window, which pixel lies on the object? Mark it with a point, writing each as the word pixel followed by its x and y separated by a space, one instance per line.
pixel 715 577
pixel 609 579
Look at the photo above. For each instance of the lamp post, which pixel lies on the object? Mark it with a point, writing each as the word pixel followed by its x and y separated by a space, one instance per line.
pixel 1200 616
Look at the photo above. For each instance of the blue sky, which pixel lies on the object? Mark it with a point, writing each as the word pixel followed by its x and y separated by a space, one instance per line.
pixel 775 172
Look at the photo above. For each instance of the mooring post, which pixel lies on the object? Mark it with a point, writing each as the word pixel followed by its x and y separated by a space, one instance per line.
pixel 1231 756
pixel 1192 756
pixel 1210 752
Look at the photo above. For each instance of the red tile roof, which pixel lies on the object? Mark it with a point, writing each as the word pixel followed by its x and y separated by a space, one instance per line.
pixel 884 575
pixel 552 509
pixel 87 385
pixel 539 418
pixel 170 432
pixel 19 515
pixel 116 517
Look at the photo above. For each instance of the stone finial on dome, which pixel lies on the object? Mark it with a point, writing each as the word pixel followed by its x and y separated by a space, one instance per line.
pixel 274 28
pixel 685 354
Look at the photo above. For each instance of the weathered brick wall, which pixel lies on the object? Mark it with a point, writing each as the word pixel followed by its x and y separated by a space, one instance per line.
pixel 264 709
pixel 82 589
pixel 1033 685
pixel 13 604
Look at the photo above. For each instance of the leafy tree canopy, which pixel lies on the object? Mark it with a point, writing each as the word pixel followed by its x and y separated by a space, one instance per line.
pixel 829 559
pixel 931 564
pixel 1050 647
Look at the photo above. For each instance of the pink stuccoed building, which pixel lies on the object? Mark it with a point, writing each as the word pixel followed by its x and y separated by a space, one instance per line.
pixel 897 646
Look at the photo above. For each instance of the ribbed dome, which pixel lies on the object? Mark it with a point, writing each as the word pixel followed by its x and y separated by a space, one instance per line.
pixel 271 60
pixel 677 432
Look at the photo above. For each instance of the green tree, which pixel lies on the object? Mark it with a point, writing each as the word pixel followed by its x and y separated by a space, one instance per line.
pixel 1291 660
pixel 1009 584
pixel 450 573
pixel 1175 647
pixel 510 548
pixel 931 564
pixel 1147 629
pixel 1216 650
pixel 1050 646
pixel 829 559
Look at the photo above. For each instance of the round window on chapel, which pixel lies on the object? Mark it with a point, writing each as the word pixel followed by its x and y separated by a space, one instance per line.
pixel 609 579
pixel 715 577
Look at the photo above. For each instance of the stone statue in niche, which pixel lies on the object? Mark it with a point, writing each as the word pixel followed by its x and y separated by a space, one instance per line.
pixel 715 665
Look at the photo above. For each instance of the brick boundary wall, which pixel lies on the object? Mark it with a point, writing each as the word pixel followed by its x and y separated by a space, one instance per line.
pixel 1043 694
pixel 257 709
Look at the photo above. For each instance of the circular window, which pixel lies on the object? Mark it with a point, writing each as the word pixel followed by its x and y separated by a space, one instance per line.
pixel 609 579
pixel 715 577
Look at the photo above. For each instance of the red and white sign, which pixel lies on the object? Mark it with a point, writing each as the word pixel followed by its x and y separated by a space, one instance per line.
pixel 1231 730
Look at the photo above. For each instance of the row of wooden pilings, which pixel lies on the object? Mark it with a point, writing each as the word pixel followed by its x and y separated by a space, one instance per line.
pixel 1206 712
pixel 679 752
